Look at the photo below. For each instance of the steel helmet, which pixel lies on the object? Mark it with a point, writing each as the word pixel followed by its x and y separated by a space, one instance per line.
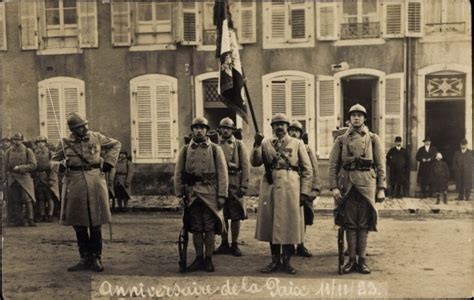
pixel 41 139
pixel 227 122
pixel 6 138
pixel 17 136
pixel 200 121
pixel 297 125
pixel 357 108
pixel 75 120
pixel 280 118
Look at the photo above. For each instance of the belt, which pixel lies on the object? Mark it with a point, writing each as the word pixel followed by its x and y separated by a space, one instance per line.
pixel 288 168
pixel 84 168
pixel 352 168
pixel 234 170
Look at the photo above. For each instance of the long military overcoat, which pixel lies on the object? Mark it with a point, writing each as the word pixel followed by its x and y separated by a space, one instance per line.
pixel 207 160
pixel 352 144
pixel 462 167
pixel 24 158
pixel 122 178
pixel 83 189
pixel 308 205
pixel 280 216
pixel 45 174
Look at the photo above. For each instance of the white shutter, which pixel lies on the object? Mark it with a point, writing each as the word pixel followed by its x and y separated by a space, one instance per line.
pixel 247 22
pixel 393 108
pixel 144 120
pixel 121 23
pixel 191 23
pixel 298 96
pixel 176 23
pixel 326 115
pixel 414 18
pixel 3 31
pixel 87 22
pixel 392 25
pixel 278 21
pixel 28 24
pixel 164 120
pixel 327 21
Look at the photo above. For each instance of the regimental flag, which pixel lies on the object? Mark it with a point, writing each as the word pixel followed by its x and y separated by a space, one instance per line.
pixel 231 76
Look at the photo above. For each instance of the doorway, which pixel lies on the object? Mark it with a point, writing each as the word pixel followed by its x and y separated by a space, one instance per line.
pixel 445 124
pixel 214 109
pixel 362 89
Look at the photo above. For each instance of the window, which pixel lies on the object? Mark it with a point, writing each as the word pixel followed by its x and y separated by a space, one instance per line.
pixel 288 24
pixel 360 19
pixel 291 93
pixel 446 17
pixel 154 110
pixel 58 26
pixel 3 31
pixel 58 97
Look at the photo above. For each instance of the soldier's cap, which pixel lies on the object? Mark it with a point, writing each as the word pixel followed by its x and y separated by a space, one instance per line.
pixel 296 125
pixel 6 138
pixel 41 139
pixel 17 136
pixel 200 121
pixel 280 118
pixel 427 139
pixel 398 139
pixel 75 120
pixel 358 108
pixel 227 123
pixel 463 142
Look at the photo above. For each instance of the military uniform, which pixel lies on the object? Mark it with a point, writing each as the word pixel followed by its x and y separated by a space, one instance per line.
pixel 3 180
pixel 85 201
pixel 357 169
pixel 122 182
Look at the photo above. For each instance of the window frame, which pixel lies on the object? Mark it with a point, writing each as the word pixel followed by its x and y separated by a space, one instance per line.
pixel 3 27
pixel 446 36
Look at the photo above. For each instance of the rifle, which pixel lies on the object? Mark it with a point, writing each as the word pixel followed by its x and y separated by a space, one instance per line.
pixel 183 233
pixel 340 248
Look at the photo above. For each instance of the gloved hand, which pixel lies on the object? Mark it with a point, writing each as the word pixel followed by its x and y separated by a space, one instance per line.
pixel 336 193
pixel 107 167
pixel 220 202
pixel 380 196
pixel 258 139
pixel 241 191
pixel 303 199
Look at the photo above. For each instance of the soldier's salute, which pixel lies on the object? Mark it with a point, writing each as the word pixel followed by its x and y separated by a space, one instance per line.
pixel 201 179
pixel 357 180
pixel 284 188
pixel 85 201
pixel 238 168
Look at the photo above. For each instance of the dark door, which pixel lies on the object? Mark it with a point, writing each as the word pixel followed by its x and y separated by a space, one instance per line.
pixel 360 90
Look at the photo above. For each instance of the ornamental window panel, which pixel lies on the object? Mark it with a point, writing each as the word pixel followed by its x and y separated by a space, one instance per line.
pixel 210 92
pixel 360 19
pixel 446 17
pixel 447 86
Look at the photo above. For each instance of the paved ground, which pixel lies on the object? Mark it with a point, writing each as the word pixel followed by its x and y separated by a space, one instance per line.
pixel 414 256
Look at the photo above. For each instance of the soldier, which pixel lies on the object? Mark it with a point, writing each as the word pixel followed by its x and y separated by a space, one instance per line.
pixel 123 180
pixel 20 162
pixel 398 162
pixel 46 180
pixel 285 187
pixel 356 175
pixel 462 166
pixel 426 156
pixel 3 180
pixel 85 202
pixel 238 168
pixel 296 130
pixel 201 180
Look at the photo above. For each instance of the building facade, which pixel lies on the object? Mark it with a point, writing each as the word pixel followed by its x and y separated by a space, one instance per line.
pixel 140 71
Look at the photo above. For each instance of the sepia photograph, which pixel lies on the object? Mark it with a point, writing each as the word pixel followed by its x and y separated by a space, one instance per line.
pixel 244 149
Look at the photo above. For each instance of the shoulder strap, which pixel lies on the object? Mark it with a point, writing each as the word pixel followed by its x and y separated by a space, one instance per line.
pixel 214 154
pixel 75 151
pixel 185 154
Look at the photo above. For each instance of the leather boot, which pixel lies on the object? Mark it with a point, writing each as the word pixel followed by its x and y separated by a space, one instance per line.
pixel 350 266
pixel 287 267
pixel 234 249
pixel 96 264
pixel 222 249
pixel 83 264
pixel 197 264
pixel 362 266
pixel 445 198
pixel 437 198
pixel 208 265
pixel 301 250
pixel 273 266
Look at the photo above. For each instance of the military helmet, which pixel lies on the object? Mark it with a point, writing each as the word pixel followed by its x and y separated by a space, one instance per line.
pixel 227 122
pixel 6 138
pixel 17 136
pixel 41 138
pixel 75 120
pixel 357 108
pixel 280 118
pixel 200 121
pixel 296 125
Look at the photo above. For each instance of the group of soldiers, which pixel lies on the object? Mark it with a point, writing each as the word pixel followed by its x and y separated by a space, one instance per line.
pixel 212 178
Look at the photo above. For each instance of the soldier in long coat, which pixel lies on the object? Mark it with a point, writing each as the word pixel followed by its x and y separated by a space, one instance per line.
pixel 284 188
pixel 296 131
pixel 4 147
pixel 238 167
pixel 122 180
pixel 46 181
pixel 20 162
pixel 202 181
pixel 425 156
pixel 462 166
pixel 85 201
pixel 398 162
pixel 357 181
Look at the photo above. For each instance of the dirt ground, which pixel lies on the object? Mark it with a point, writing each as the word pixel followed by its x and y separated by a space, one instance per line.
pixel 416 257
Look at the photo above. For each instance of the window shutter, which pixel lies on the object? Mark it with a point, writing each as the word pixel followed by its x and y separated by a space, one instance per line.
pixel 393 108
pixel 164 120
pixel 121 23
pixel 191 23
pixel 300 17
pixel 28 25
pixel 278 21
pixel 247 25
pixel 326 114
pixel 414 18
pixel 176 22
pixel 327 21
pixel 392 19
pixel 87 15
pixel 144 120
pixel 298 98
pixel 3 31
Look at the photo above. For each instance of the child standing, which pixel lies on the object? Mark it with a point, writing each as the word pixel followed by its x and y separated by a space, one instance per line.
pixel 440 178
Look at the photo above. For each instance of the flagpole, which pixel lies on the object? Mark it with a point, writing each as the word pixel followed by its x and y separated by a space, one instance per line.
pixel 252 112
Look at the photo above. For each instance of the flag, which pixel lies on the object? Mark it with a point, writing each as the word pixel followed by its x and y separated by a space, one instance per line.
pixel 231 76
